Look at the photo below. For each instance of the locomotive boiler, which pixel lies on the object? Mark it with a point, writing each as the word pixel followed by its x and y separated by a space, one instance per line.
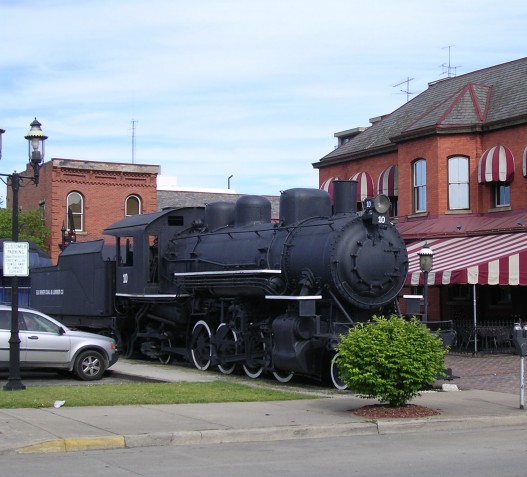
pixel 226 286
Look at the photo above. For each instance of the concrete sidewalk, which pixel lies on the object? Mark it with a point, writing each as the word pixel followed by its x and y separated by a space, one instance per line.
pixel 83 428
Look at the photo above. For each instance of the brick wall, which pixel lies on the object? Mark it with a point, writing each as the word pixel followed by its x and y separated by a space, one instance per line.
pixel 104 186
pixel 437 150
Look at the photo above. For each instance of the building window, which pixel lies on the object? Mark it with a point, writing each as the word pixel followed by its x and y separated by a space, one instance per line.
pixel 394 209
pixel 132 205
pixel 458 293
pixel 458 183
pixel 501 295
pixel 502 194
pixel 75 218
pixel 419 180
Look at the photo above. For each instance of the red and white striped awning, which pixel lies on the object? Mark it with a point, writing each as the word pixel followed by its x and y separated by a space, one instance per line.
pixel 496 165
pixel 327 185
pixel 388 182
pixel 364 185
pixel 481 260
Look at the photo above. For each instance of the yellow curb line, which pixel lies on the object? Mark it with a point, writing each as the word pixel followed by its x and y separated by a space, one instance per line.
pixel 75 444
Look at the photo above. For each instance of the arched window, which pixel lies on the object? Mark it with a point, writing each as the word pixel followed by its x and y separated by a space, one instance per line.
pixel 458 183
pixel 75 212
pixel 132 205
pixel 419 185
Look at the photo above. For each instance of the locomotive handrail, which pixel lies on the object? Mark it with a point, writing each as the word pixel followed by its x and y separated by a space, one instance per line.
pixel 293 297
pixel 158 295
pixel 229 272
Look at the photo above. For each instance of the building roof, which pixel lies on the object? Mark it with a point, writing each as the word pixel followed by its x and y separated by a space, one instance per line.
pixel 171 198
pixel 105 166
pixel 457 225
pixel 486 99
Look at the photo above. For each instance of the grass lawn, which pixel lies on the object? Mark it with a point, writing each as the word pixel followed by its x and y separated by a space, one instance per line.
pixel 141 393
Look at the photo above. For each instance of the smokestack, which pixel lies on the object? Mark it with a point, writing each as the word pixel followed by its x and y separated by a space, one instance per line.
pixel 344 197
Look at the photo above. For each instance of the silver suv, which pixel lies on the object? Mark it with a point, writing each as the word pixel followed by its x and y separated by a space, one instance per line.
pixel 46 343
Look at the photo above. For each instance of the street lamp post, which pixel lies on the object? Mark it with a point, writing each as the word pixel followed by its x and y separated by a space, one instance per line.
pixel 35 139
pixel 426 261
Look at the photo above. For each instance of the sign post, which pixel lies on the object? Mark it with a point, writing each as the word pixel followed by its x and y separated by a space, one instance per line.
pixel 519 339
pixel 16 264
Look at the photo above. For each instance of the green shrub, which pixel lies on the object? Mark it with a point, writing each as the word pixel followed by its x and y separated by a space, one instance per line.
pixel 30 227
pixel 390 359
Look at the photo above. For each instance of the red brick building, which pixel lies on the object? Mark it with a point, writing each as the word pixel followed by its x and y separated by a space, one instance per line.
pixel 453 161
pixel 96 193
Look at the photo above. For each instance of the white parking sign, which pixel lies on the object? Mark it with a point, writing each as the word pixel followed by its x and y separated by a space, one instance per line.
pixel 16 259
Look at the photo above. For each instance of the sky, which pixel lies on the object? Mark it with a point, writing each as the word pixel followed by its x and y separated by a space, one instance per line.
pixel 239 93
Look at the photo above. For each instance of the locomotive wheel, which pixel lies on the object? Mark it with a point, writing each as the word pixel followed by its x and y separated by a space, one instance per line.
pixel 282 376
pixel 226 338
pixel 200 345
pixel 335 376
pixel 166 358
pixel 252 370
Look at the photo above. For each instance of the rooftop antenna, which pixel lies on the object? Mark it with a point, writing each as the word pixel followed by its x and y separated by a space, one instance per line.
pixel 448 69
pixel 133 140
pixel 407 90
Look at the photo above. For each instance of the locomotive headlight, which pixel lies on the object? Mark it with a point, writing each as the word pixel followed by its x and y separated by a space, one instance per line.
pixel 381 204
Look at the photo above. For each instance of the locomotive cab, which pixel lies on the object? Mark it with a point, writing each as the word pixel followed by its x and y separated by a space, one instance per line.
pixel 138 240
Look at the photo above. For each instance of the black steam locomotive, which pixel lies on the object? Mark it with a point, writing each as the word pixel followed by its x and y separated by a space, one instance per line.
pixel 226 286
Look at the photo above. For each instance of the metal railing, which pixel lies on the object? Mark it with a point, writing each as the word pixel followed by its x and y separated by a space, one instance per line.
pixel 494 336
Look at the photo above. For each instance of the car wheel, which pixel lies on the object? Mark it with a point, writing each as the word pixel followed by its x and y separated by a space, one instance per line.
pixel 90 365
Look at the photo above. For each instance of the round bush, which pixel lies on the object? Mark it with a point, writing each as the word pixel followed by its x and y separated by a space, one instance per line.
pixel 390 359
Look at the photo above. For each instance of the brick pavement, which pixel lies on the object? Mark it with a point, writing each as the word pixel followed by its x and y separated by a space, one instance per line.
pixel 498 372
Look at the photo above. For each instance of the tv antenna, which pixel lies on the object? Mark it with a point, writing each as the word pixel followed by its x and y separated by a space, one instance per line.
pixel 448 69
pixel 134 121
pixel 407 90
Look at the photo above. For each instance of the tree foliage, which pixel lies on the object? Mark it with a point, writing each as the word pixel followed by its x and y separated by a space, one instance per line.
pixel 390 359
pixel 30 227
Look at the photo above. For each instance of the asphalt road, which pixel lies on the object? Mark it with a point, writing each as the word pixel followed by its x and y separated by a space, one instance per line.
pixel 487 453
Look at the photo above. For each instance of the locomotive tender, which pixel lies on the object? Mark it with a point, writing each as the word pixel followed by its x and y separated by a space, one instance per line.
pixel 225 286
